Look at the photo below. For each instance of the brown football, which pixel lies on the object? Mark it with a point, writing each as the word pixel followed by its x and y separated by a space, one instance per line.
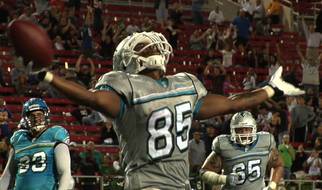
pixel 31 42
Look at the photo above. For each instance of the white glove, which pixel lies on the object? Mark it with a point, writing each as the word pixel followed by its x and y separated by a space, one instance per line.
pixel 281 87
pixel 232 179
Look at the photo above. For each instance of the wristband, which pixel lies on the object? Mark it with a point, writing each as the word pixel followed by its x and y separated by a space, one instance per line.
pixel 49 77
pixel 269 90
pixel 272 185
pixel 214 178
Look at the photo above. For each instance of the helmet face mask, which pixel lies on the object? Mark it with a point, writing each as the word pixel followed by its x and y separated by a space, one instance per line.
pixel 140 51
pixel 243 128
pixel 35 115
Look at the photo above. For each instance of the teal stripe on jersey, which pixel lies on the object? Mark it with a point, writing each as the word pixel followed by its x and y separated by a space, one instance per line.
pixel 153 97
pixel 35 146
pixel 263 153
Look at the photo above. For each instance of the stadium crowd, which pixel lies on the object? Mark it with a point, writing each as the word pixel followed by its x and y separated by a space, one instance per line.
pixel 295 122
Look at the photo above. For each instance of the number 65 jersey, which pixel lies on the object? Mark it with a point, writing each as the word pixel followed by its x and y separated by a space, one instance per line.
pixel 249 162
pixel 34 158
pixel 153 127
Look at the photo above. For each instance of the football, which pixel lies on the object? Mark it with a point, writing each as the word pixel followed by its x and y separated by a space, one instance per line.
pixel 31 42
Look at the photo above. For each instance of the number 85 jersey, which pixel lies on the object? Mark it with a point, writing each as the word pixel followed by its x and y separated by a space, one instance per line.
pixel 34 158
pixel 249 162
pixel 154 124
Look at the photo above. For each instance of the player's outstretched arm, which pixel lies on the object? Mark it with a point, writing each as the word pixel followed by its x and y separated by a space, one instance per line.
pixel 8 173
pixel 210 172
pixel 275 162
pixel 215 104
pixel 106 102
pixel 62 160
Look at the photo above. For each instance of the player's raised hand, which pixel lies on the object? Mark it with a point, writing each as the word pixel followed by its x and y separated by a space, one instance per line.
pixel 232 179
pixel 281 87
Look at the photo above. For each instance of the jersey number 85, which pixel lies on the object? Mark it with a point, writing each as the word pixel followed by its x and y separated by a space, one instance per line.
pixel 160 124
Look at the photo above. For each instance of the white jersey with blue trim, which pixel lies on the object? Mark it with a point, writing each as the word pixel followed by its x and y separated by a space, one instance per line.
pixel 154 125
pixel 249 162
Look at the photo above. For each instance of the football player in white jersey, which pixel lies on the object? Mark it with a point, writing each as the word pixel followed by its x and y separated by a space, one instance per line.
pixel 244 156
pixel 152 112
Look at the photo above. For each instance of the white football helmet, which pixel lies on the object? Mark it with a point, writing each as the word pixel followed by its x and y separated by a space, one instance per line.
pixel 128 55
pixel 243 119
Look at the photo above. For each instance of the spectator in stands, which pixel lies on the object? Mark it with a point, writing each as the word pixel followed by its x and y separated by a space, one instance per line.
pixel 263 118
pixel 86 33
pixel 313 42
pixel 317 133
pixel 91 154
pixel 74 156
pixel 310 71
pixel 196 40
pixel 216 16
pixel 5 131
pixel 211 57
pixel 300 159
pixel 209 137
pixel 108 39
pixel 228 85
pixel 132 27
pixel 72 43
pixel 287 153
pixel 243 27
pixel 108 134
pixel 301 115
pixel 314 163
pixel 4 13
pixel 59 43
pixel 197 152
pixel 227 55
pixel 107 168
pixel 196 7
pixel 94 118
pixel 161 11
pixel 249 9
pixel 216 73
pixel 274 11
pixel 214 38
pixel 85 72
pixel 27 14
pixel 80 112
pixel 175 13
pixel 259 13
pixel 97 16
pixel 19 76
pixel 274 59
pixel 173 33
pixel 89 167
pixel 249 82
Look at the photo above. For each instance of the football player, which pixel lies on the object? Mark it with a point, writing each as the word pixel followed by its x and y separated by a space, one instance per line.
pixel 244 156
pixel 39 158
pixel 152 112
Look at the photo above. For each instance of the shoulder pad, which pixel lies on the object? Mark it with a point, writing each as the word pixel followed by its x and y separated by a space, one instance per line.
pixel 200 88
pixel 266 139
pixel 17 135
pixel 117 81
pixel 216 144
pixel 59 134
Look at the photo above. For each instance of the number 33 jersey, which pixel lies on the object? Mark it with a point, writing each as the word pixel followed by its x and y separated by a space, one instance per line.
pixel 248 162
pixel 153 126
pixel 34 158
